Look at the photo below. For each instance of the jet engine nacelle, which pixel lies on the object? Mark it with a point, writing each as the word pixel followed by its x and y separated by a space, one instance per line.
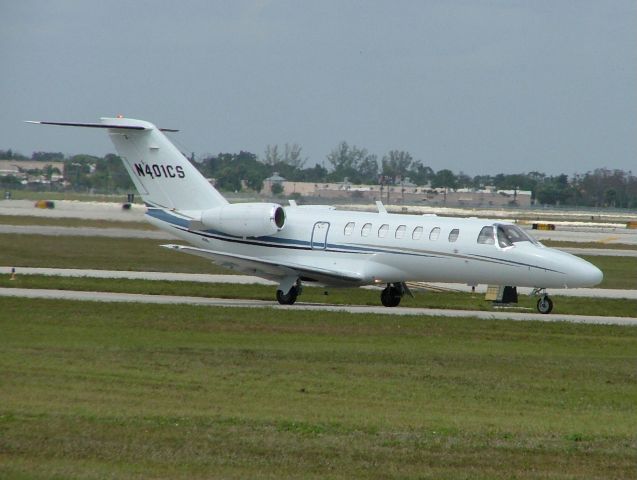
pixel 245 219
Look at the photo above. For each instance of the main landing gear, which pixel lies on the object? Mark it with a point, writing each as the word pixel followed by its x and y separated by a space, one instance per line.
pixel 290 297
pixel 392 294
pixel 544 303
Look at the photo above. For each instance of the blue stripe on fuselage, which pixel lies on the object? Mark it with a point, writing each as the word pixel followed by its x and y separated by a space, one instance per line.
pixel 295 244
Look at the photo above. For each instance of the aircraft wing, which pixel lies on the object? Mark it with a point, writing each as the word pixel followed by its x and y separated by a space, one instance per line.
pixel 273 270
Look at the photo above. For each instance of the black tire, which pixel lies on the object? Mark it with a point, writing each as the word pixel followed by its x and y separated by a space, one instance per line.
pixel 390 297
pixel 287 298
pixel 545 304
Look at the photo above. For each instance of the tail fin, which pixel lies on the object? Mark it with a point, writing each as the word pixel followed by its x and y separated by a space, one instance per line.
pixel 160 172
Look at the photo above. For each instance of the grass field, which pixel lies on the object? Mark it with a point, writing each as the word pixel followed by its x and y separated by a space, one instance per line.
pixel 345 296
pixel 598 245
pixel 146 255
pixel 101 253
pixel 137 391
pixel 72 222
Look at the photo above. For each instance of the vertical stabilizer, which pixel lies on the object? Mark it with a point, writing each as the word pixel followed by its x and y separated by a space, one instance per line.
pixel 163 176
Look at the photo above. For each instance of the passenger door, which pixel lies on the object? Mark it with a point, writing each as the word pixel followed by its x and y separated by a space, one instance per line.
pixel 319 235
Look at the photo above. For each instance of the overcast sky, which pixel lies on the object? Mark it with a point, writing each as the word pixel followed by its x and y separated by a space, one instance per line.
pixel 474 86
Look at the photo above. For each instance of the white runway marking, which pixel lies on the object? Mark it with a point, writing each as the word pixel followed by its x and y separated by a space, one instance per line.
pixel 219 302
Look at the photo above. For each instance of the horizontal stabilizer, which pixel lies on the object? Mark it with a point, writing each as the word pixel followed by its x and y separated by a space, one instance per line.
pixel 98 125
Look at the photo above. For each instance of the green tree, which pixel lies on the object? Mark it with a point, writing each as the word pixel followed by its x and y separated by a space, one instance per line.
pixel 421 174
pixel 47 156
pixel 396 163
pixel 555 191
pixel 229 169
pixel 444 179
pixel 353 163
pixel 276 189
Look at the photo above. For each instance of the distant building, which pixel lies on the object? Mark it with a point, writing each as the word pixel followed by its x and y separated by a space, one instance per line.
pixel 275 179
pixel 405 192
pixel 21 168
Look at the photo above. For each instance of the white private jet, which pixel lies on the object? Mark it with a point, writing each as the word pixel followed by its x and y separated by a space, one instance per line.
pixel 295 244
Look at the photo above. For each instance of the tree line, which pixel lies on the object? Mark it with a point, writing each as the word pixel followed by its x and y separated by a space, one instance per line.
pixel 236 171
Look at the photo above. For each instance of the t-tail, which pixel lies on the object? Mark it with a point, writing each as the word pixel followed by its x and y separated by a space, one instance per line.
pixel 163 176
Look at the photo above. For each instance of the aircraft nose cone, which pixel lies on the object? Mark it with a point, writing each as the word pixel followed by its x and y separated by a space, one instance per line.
pixel 594 275
pixel 588 275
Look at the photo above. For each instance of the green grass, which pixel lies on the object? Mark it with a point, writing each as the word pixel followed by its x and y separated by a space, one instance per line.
pixel 72 222
pixel 346 296
pixel 598 245
pixel 619 272
pixel 100 253
pixel 94 390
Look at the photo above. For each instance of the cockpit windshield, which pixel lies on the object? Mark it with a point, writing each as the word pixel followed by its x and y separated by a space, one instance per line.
pixel 510 234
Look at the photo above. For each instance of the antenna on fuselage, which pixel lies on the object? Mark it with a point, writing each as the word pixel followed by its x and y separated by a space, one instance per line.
pixel 381 207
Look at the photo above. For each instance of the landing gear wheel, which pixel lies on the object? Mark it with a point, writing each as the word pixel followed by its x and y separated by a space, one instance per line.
pixel 287 298
pixel 544 304
pixel 390 296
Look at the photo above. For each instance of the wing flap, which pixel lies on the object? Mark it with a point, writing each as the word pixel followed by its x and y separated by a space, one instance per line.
pixel 274 270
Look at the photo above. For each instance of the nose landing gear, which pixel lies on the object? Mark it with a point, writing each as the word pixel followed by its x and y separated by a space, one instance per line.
pixel 544 303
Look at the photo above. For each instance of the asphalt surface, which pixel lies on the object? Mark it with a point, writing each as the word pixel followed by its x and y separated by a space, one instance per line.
pixel 366 310
pixel 86 232
pixel 247 279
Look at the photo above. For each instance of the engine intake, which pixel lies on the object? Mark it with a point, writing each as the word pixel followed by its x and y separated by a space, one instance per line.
pixel 245 219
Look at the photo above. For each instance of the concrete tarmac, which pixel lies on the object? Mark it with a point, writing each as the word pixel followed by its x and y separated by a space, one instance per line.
pixel 86 232
pixel 247 279
pixel 366 310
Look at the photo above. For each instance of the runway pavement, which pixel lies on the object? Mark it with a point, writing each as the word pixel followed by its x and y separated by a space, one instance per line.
pixel 366 310
pixel 247 279
pixel 86 232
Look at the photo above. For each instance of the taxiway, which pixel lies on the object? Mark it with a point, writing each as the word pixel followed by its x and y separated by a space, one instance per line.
pixel 366 310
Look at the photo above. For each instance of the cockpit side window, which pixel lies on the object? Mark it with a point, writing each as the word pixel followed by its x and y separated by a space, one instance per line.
pixel 510 234
pixel 486 236
pixel 503 239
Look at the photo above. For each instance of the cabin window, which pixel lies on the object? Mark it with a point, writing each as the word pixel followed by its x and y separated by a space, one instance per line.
pixel 366 229
pixel 434 234
pixel 349 228
pixel 417 233
pixel 486 236
pixel 453 235
pixel 382 231
pixel 400 231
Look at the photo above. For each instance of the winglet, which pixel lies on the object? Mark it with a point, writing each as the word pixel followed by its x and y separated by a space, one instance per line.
pixel 381 207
